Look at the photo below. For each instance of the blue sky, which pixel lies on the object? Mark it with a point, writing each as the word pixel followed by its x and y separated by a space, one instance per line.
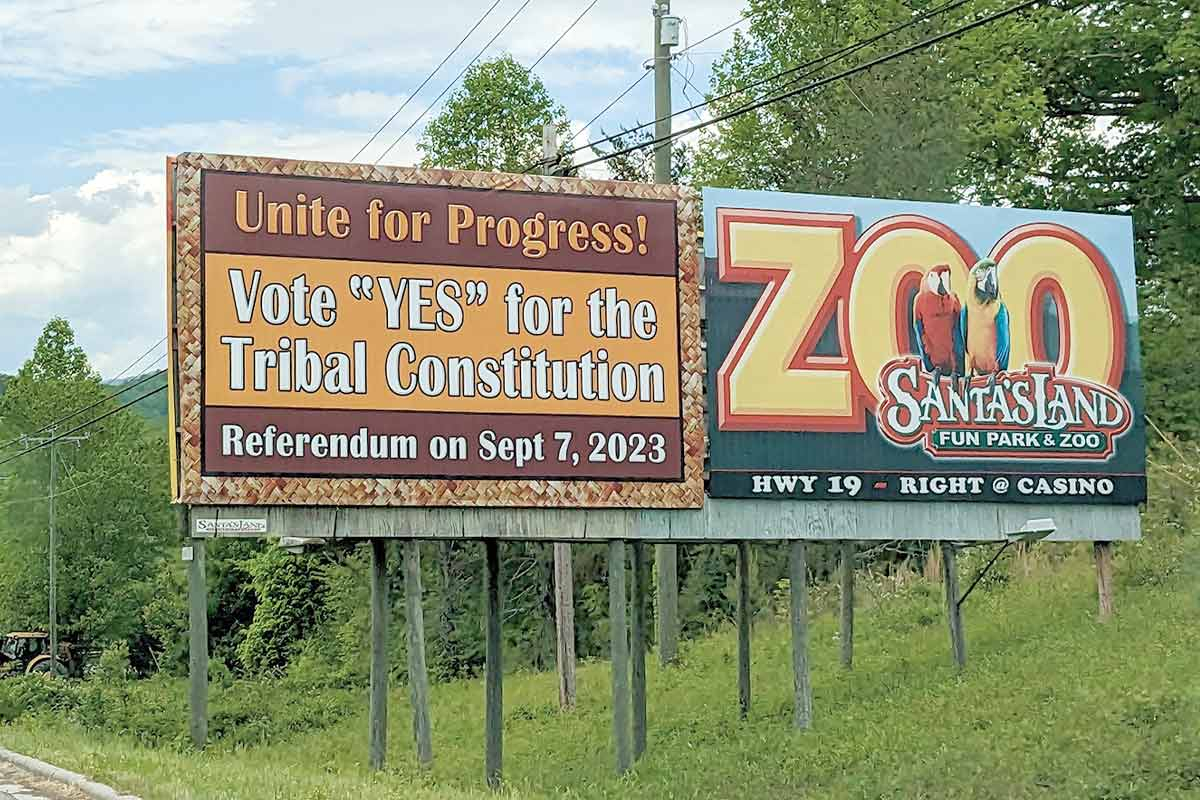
pixel 96 95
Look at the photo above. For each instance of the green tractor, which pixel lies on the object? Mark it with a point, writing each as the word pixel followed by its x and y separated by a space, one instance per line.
pixel 28 653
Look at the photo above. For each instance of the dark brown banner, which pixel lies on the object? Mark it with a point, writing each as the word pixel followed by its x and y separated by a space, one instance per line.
pixel 327 442
pixel 326 218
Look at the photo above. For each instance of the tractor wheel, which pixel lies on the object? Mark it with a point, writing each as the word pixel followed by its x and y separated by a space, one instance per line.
pixel 42 667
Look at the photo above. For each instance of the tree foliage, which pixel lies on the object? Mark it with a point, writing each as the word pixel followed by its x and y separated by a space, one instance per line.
pixel 113 518
pixel 493 121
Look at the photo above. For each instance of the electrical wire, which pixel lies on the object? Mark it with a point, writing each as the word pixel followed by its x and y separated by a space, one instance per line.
pixel 450 85
pixel 820 62
pixel 687 83
pixel 561 35
pixel 80 427
pixel 428 78
pixel 614 101
pixel 74 488
pixel 925 43
pixel 713 35
pixel 137 361
pixel 645 74
pixel 90 406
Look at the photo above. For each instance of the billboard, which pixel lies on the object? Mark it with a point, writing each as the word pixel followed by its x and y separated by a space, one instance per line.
pixel 358 335
pixel 872 349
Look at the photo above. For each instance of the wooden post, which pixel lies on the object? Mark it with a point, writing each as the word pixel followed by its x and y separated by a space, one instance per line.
pixel 418 673
pixel 638 644
pixel 620 655
pixel 380 608
pixel 493 683
pixel 743 627
pixel 564 624
pixel 847 631
pixel 197 636
pixel 798 579
pixel 564 574
pixel 958 640
pixel 1103 552
pixel 666 562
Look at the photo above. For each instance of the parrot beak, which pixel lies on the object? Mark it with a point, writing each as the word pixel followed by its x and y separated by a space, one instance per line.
pixel 943 290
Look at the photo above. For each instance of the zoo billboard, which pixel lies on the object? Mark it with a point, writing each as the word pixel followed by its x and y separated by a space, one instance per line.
pixel 874 349
pixel 357 335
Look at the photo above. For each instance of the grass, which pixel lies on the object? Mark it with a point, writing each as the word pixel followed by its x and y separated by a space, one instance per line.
pixel 1052 705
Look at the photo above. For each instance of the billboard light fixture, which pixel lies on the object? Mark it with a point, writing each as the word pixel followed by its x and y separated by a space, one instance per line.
pixel 1034 530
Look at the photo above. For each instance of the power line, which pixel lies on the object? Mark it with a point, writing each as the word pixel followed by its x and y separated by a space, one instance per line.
pixel 561 35
pixel 686 83
pixel 811 86
pixel 614 101
pixel 638 80
pixel 74 488
pixel 457 78
pixel 428 78
pixel 634 85
pixel 51 440
pixel 820 62
pixel 713 35
pixel 137 361
pixel 88 407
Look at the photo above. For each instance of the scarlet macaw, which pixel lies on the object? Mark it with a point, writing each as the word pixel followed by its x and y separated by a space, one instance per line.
pixel 936 313
pixel 983 323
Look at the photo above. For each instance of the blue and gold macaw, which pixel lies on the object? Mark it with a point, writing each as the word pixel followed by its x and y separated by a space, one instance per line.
pixel 983 323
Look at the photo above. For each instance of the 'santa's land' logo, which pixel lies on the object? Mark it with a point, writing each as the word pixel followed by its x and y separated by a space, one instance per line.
pixel 1029 413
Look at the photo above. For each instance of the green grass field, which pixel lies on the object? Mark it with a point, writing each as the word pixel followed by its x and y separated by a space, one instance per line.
pixel 1052 705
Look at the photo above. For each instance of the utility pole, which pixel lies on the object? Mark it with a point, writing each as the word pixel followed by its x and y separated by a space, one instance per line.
pixel 662 94
pixel 665 555
pixel 52 440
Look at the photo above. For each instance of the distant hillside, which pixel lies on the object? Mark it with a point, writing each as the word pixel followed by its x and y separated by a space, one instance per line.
pixel 153 408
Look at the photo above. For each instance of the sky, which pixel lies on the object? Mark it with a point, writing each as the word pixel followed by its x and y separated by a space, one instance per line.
pixel 97 93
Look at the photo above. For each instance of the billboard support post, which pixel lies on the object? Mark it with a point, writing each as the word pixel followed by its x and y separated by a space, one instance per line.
pixel 1104 562
pixel 798 590
pixel 620 655
pixel 637 639
pixel 494 668
pixel 418 672
pixel 743 626
pixel 564 624
pixel 197 636
pixel 958 640
pixel 380 607
pixel 846 570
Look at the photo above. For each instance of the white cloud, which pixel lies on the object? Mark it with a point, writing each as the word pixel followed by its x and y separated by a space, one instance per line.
pixel 361 105
pixel 71 41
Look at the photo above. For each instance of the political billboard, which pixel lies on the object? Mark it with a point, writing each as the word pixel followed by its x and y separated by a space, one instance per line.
pixel 872 349
pixel 358 335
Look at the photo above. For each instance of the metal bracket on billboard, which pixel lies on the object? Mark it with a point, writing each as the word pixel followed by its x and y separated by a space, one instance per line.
pixel 1032 531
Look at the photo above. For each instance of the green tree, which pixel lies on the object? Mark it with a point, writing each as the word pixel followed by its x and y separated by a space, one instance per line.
pixel 900 130
pixel 113 517
pixel 493 121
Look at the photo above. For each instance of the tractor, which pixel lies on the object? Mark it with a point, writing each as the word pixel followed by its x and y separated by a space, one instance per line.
pixel 28 653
